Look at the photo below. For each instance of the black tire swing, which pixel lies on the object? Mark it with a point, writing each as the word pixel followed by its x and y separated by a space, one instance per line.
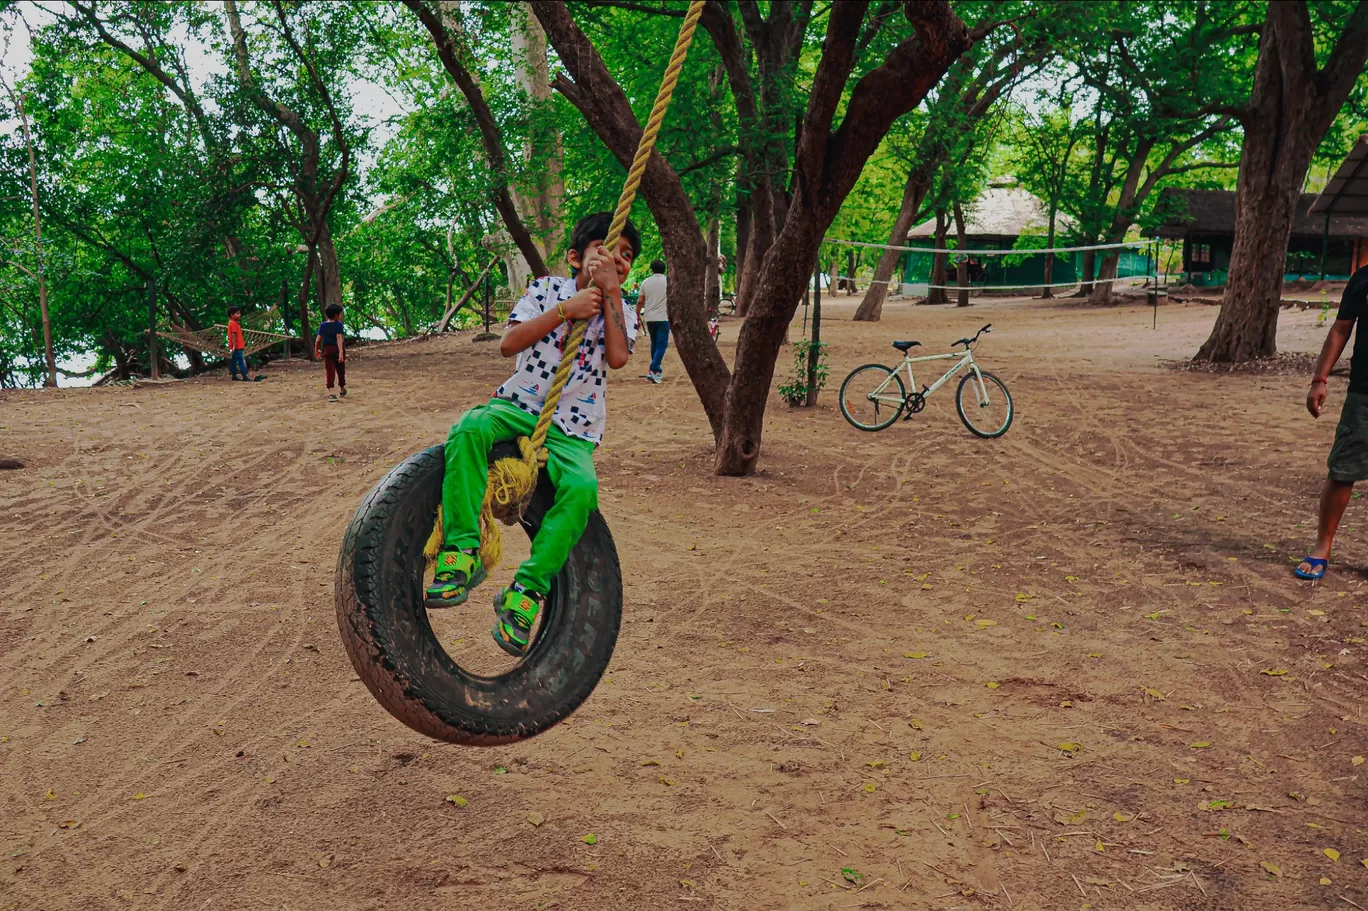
pixel 380 570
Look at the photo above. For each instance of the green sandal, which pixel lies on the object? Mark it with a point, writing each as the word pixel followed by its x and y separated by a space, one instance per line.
pixel 457 573
pixel 515 613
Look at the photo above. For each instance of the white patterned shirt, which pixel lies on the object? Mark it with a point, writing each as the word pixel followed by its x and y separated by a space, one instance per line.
pixel 583 407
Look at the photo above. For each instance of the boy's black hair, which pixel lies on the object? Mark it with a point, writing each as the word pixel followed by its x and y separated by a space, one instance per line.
pixel 333 311
pixel 595 227
pixel 234 309
pixel 658 266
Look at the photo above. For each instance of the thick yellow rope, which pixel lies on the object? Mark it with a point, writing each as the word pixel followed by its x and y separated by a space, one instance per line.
pixel 512 481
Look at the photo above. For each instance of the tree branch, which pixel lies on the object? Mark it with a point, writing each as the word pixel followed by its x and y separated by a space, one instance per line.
pixel 892 89
pixel 1183 169
pixel 639 7
pixel 340 174
pixel 712 159
pixel 876 23
pixel 490 134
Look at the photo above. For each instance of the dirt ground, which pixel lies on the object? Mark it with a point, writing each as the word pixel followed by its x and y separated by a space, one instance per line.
pixel 1069 668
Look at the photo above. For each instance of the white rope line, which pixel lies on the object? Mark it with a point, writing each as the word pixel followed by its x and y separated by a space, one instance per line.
pixel 1096 281
pixel 1074 284
pixel 1124 244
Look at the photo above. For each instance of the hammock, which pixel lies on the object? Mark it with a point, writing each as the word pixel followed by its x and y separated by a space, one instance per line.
pixel 214 340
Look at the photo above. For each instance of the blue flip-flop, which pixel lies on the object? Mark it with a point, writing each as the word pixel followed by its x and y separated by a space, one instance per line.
pixel 1317 569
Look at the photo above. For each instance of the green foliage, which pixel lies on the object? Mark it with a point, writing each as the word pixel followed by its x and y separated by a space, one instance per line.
pixel 796 391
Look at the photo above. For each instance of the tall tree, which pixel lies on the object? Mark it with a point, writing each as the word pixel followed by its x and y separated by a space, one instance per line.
pixel 40 275
pixel 313 187
pixel 1164 76
pixel 828 159
pixel 1290 109
pixel 440 24
pixel 1043 147
pixel 977 82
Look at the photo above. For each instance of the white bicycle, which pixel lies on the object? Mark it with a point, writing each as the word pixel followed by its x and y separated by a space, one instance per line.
pixel 873 396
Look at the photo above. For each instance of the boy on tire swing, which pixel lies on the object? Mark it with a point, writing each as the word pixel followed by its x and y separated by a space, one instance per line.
pixel 537 330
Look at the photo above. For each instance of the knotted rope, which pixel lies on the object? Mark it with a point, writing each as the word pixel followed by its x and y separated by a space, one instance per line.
pixel 512 481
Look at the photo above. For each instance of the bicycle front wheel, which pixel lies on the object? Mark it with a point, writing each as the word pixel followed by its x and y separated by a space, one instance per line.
pixel 984 405
pixel 727 305
pixel 872 397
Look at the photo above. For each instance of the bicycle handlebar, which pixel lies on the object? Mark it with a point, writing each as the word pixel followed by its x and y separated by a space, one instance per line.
pixel 966 342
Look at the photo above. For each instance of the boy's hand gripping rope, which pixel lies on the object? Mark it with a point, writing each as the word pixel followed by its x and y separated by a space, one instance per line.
pixel 513 481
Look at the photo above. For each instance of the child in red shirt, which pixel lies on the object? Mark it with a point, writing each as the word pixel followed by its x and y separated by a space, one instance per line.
pixel 237 345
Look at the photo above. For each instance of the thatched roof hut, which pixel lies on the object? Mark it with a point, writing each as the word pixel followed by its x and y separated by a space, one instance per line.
pixel 1001 214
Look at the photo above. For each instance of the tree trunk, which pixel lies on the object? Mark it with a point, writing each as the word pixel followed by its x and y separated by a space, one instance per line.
pixel 712 277
pixel 305 334
pixel 742 237
pixel 49 360
pixel 940 272
pixel 1048 292
pixel 871 308
pixel 1102 291
pixel 1085 280
pixel 1293 106
pixel 962 267
pixel 543 207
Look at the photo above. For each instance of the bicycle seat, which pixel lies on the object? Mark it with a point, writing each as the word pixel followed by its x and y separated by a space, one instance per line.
pixel 903 346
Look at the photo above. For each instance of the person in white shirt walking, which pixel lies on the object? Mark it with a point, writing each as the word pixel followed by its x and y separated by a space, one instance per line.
pixel 651 309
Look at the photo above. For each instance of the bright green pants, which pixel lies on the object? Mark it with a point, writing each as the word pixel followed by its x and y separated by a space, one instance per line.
pixel 570 466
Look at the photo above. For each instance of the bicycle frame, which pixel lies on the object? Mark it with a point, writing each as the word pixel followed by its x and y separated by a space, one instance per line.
pixel 962 361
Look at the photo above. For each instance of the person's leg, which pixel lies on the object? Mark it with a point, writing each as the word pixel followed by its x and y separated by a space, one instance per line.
pixel 660 333
pixel 240 362
pixel 571 469
pixel 1334 499
pixel 342 376
pixel 1348 462
pixel 467 467
pixel 329 367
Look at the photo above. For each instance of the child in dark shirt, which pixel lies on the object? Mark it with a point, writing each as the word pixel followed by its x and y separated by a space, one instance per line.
pixel 330 346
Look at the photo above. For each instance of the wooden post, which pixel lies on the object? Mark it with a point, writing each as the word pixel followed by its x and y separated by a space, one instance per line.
pixel 285 315
pixel 814 343
pixel 152 329
pixel 486 335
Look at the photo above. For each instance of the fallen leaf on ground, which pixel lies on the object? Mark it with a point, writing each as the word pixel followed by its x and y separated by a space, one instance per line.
pixel 1070 747
pixel 458 800
pixel 1331 853
pixel 1274 672
pixel 535 819
pixel 1270 869
pixel 590 839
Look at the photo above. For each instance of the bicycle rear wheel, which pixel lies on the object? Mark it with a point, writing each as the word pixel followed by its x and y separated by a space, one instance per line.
pixel 985 406
pixel 872 397
pixel 727 305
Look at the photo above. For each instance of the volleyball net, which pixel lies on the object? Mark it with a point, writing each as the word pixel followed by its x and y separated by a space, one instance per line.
pixel 1009 270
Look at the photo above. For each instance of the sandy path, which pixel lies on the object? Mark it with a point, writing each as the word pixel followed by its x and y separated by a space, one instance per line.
pixel 180 728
